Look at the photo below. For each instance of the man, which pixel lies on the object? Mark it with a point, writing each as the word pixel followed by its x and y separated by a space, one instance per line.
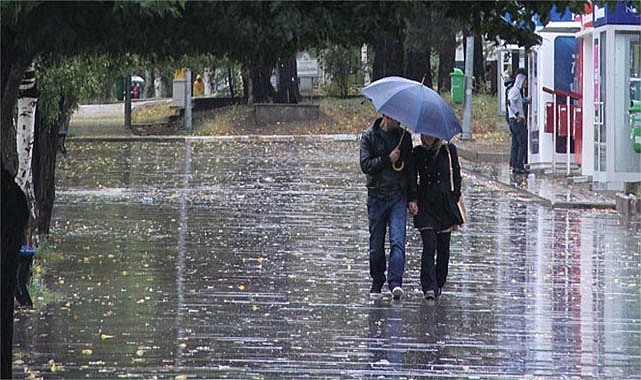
pixel 386 160
pixel 516 121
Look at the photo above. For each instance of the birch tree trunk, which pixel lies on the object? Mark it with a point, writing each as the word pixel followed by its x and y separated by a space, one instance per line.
pixel 27 101
pixel 207 74
pixel 157 82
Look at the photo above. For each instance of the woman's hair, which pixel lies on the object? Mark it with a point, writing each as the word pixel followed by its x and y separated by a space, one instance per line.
pixel 436 145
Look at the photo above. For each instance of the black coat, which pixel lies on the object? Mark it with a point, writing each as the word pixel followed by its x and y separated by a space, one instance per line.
pixel 437 203
pixel 383 181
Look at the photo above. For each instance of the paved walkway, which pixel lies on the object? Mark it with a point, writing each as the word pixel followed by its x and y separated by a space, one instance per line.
pixel 246 258
pixel 491 162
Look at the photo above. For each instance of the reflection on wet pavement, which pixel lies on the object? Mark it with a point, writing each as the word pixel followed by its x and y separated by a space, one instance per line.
pixel 244 259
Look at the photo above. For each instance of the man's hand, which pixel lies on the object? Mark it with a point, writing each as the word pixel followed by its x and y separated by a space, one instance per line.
pixel 395 155
pixel 413 208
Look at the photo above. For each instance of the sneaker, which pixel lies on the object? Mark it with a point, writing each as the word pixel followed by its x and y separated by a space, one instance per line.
pixel 397 292
pixel 429 295
pixel 375 291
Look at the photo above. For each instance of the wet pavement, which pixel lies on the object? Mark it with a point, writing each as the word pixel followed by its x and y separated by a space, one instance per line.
pixel 246 258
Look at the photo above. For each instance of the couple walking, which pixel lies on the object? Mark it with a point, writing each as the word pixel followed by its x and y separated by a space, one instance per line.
pixel 426 180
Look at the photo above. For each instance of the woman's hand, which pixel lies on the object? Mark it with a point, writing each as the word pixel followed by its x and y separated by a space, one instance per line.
pixel 413 208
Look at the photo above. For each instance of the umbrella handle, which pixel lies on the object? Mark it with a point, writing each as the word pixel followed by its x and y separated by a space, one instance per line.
pixel 400 141
pixel 402 164
pixel 400 167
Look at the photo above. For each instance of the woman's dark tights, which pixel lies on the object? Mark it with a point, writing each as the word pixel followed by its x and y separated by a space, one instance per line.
pixel 433 277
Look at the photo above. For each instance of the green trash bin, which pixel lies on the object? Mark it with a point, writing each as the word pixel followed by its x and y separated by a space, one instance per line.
pixel 458 85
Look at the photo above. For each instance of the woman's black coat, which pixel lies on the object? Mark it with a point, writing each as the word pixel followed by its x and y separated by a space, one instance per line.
pixel 437 203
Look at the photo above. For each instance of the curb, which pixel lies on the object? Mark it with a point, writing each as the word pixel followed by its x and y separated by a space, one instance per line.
pixel 172 138
pixel 471 155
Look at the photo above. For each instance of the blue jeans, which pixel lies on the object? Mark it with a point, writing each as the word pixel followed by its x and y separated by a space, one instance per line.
pixel 519 143
pixel 383 214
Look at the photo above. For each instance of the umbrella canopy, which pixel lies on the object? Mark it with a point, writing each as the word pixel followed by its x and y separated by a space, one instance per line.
pixel 137 78
pixel 414 105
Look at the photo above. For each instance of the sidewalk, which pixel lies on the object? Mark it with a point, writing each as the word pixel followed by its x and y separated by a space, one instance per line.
pixel 554 190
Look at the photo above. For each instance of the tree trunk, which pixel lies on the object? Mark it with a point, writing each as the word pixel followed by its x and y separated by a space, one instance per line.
pixel 11 78
pixel 44 164
pixel 262 90
pixel 146 88
pixel 446 57
pixel 230 78
pixel 288 82
pixel 479 64
pixel 157 82
pixel 418 46
pixel 15 214
pixel 27 101
pixel 388 55
pixel 418 66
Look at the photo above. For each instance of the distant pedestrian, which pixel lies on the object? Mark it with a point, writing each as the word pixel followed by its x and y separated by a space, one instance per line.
pixel 438 173
pixel 199 86
pixel 386 160
pixel 516 121
pixel 136 91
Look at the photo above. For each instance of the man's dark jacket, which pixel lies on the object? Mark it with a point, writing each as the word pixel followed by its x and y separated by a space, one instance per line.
pixel 382 180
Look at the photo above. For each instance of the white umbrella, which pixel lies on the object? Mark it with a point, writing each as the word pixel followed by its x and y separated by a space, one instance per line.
pixel 137 78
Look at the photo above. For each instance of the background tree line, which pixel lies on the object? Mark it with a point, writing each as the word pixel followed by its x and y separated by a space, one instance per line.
pixel 81 48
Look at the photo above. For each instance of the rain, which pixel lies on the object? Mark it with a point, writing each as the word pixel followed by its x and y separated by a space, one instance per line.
pixel 246 258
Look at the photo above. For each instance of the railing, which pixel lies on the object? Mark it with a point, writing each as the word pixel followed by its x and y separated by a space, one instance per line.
pixel 556 124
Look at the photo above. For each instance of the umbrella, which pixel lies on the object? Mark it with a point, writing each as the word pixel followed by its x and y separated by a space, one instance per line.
pixel 414 105
pixel 137 78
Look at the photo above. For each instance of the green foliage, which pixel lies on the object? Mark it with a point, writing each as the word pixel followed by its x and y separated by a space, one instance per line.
pixel 78 77
pixel 38 290
pixel 343 65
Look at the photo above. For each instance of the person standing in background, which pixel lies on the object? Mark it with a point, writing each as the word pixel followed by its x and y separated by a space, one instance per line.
pixel 516 121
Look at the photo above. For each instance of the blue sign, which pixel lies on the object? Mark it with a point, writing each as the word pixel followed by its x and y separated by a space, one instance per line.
pixel 564 58
pixel 623 14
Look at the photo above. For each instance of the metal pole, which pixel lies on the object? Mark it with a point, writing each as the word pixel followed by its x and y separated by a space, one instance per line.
pixel 567 149
pixel 469 71
pixel 187 100
pixel 128 101
pixel 554 131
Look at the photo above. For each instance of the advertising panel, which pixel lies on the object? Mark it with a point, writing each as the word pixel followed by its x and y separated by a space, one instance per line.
pixel 624 13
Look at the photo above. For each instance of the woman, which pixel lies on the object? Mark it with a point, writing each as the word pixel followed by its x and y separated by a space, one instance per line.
pixel 439 188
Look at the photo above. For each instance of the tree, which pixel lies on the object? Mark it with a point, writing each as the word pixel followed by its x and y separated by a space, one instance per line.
pixel 58 29
pixel 339 62
pixel 259 35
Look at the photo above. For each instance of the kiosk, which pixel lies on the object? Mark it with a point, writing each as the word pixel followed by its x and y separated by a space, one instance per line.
pixel 611 47
pixel 554 99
